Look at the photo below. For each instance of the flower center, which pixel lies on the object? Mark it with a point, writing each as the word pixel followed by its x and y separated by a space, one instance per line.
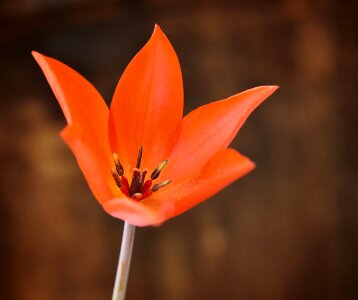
pixel 139 187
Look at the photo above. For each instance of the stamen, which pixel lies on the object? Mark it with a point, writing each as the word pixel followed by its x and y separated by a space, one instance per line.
pixel 159 169
pixel 118 164
pixel 116 177
pixel 157 186
pixel 139 157
pixel 125 191
pixel 147 185
pixel 125 183
pixel 146 193
pixel 139 188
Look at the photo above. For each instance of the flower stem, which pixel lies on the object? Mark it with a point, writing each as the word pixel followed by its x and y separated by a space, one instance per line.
pixel 120 284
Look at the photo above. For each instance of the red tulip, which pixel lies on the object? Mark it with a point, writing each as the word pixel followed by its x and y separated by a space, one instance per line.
pixel 143 161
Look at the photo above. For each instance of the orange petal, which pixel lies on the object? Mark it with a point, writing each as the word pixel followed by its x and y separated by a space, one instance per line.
pixel 222 169
pixel 210 128
pixel 87 117
pixel 137 213
pixel 147 106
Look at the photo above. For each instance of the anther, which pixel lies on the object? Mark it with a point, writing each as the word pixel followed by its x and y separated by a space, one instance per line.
pixel 139 157
pixel 157 186
pixel 138 188
pixel 116 177
pixel 159 169
pixel 118 164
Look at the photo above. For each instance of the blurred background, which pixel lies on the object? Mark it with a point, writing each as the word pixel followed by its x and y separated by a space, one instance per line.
pixel 286 231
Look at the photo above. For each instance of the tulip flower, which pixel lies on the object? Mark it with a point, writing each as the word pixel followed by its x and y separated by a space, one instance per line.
pixel 142 160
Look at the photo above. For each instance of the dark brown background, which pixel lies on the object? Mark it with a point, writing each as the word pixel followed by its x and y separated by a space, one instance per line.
pixel 286 231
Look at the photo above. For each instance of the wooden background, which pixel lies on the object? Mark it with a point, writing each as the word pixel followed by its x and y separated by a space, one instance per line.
pixel 287 231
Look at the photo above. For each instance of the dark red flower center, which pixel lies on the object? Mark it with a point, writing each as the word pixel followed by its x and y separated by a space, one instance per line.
pixel 139 187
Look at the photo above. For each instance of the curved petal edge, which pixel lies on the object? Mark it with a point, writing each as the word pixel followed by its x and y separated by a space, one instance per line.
pixel 87 117
pixel 147 106
pixel 222 169
pixel 96 169
pixel 137 213
pixel 211 128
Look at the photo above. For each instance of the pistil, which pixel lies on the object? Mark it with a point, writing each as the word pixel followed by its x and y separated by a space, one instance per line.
pixel 137 181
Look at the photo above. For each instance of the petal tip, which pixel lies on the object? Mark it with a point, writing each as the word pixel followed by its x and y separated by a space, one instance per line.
pixel 265 91
pixel 246 163
pixel 158 32
pixel 271 88
pixel 40 58
pixel 156 36
pixel 251 165
pixel 274 87
pixel 36 55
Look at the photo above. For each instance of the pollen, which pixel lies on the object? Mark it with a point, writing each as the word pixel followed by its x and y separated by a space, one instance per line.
pixel 139 188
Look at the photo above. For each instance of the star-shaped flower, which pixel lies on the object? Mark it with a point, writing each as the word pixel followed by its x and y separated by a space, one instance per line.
pixel 143 161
